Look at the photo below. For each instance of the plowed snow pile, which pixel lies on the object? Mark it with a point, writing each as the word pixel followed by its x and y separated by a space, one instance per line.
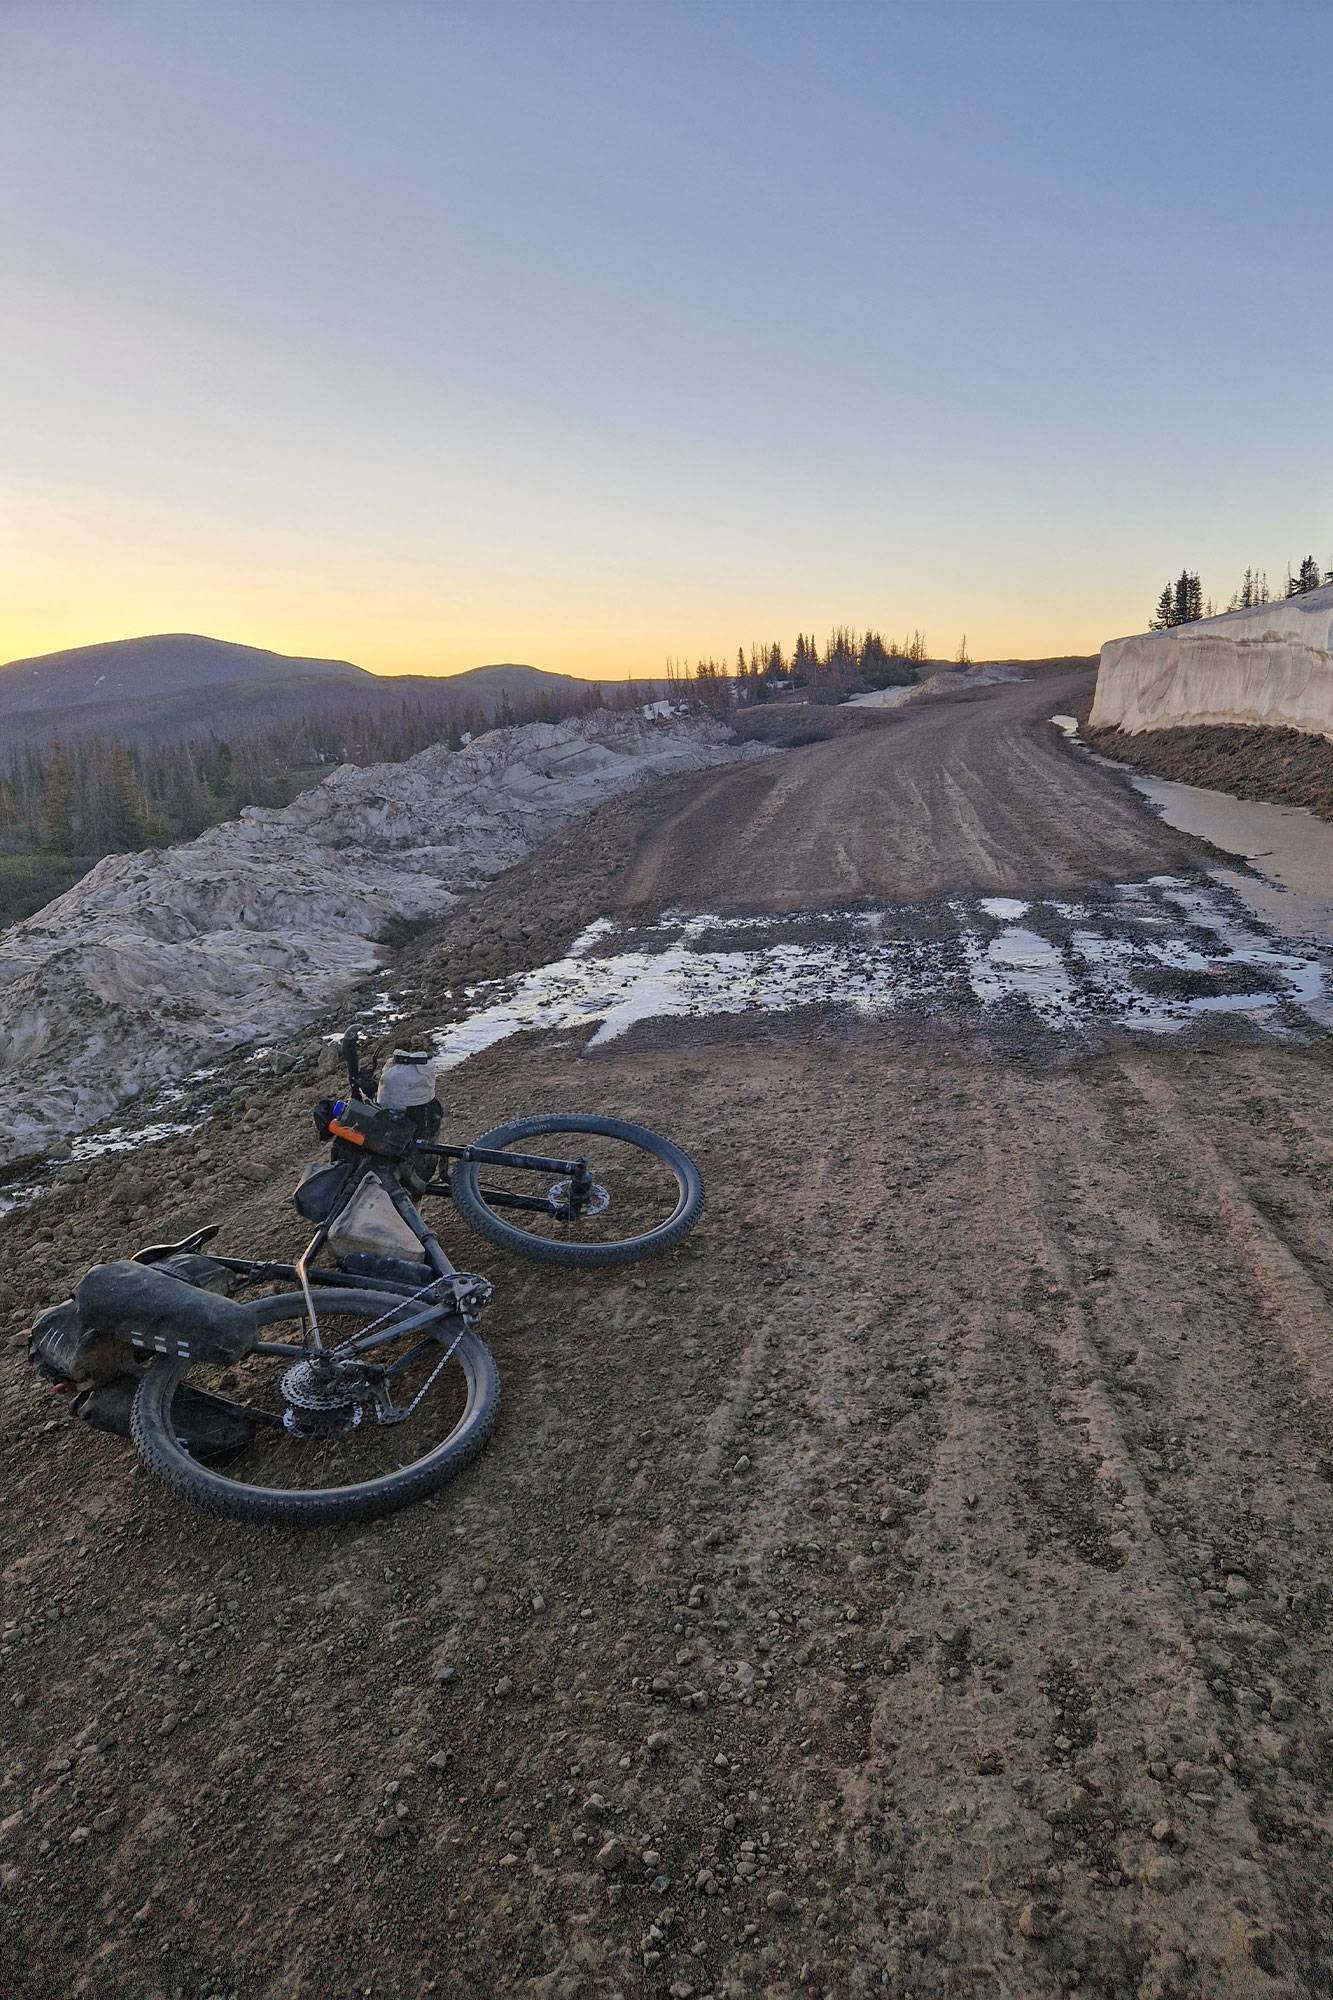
pixel 1271 664
pixel 155 962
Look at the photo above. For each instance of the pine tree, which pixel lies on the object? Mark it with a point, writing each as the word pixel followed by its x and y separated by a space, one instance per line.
pixel 127 805
pixel 57 803
pixel 1187 599
pixel 804 661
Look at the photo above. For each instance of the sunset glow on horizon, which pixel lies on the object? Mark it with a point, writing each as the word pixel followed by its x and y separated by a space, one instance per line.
pixel 593 336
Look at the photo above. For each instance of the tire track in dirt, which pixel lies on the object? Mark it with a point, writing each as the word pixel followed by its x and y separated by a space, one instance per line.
pixel 1239 1613
pixel 1221 1927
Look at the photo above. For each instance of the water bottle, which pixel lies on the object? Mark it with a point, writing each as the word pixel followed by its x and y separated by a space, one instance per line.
pixel 408 1080
pixel 408 1084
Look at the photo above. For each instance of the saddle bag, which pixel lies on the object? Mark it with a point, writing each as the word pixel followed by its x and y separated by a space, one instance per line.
pixel 147 1308
pixel 123 1314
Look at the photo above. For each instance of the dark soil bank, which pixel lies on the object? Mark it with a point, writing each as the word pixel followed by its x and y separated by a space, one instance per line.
pixel 1283 766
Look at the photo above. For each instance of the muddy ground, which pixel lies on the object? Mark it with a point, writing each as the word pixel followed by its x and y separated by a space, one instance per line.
pixel 915 1584
pixel 1287 767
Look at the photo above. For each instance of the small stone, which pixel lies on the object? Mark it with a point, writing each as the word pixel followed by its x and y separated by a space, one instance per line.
pixel 1033 1921
pixel 611 1855
pixel 595 1806
pixel 446 1674
pixel 1161 1872
pixel 387 1828
pixel 169 1725
pixel 538 1601
pixel 658 1743
pixel 651 1859
pixel 480 1585
pixel 107 1821
pixel 1162 1829
pixel 778 1901
pixel 1237 1586
pixel 1260 1946
pixel 742 1463
pixel 503 1688
pixel 80 1835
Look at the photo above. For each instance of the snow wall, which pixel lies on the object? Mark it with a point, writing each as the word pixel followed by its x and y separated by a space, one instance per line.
pixel 1271 665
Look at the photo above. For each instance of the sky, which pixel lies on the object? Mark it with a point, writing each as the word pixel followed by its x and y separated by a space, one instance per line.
pixel 594 333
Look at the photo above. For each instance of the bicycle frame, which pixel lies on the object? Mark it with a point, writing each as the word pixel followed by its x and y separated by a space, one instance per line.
pixel 307 1275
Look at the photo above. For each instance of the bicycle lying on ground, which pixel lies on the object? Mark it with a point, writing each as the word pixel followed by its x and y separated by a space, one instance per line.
pixel 367 1386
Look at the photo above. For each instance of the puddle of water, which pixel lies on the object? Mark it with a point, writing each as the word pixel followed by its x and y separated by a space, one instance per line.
pixel 1291 846
pixel 1152 956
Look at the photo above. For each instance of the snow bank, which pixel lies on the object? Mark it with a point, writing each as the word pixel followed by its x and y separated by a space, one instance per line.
pixel 1269 665
pixel 154 963
pixel 953 681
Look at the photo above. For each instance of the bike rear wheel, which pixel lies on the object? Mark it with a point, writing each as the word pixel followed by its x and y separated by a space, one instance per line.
pixel 319 1452
pixel 648 1192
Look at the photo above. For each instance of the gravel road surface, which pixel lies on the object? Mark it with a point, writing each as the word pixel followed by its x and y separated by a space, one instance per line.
pixel 913 1585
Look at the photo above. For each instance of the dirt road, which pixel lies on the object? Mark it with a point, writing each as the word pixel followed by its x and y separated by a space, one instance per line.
pixel 919 1576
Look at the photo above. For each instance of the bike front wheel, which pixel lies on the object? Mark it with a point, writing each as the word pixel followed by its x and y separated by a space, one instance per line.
pixel 298 1445
pixel 647 1193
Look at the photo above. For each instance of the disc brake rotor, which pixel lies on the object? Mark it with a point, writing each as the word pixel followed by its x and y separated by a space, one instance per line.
pixel 596 1199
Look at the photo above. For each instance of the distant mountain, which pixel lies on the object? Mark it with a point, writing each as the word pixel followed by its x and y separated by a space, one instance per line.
pixel 143 669
pixel 189 687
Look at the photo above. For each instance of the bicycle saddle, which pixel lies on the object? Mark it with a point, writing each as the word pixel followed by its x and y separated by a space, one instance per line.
pixel 152 1253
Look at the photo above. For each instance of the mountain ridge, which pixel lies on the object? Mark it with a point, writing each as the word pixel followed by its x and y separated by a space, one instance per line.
pixel 102 691
pixel 156 663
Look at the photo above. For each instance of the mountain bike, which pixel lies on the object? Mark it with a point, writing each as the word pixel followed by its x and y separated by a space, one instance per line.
pixel 354 1381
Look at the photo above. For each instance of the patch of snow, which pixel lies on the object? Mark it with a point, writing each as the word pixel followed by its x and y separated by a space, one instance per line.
pixel 1102 962
pixel 885 697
